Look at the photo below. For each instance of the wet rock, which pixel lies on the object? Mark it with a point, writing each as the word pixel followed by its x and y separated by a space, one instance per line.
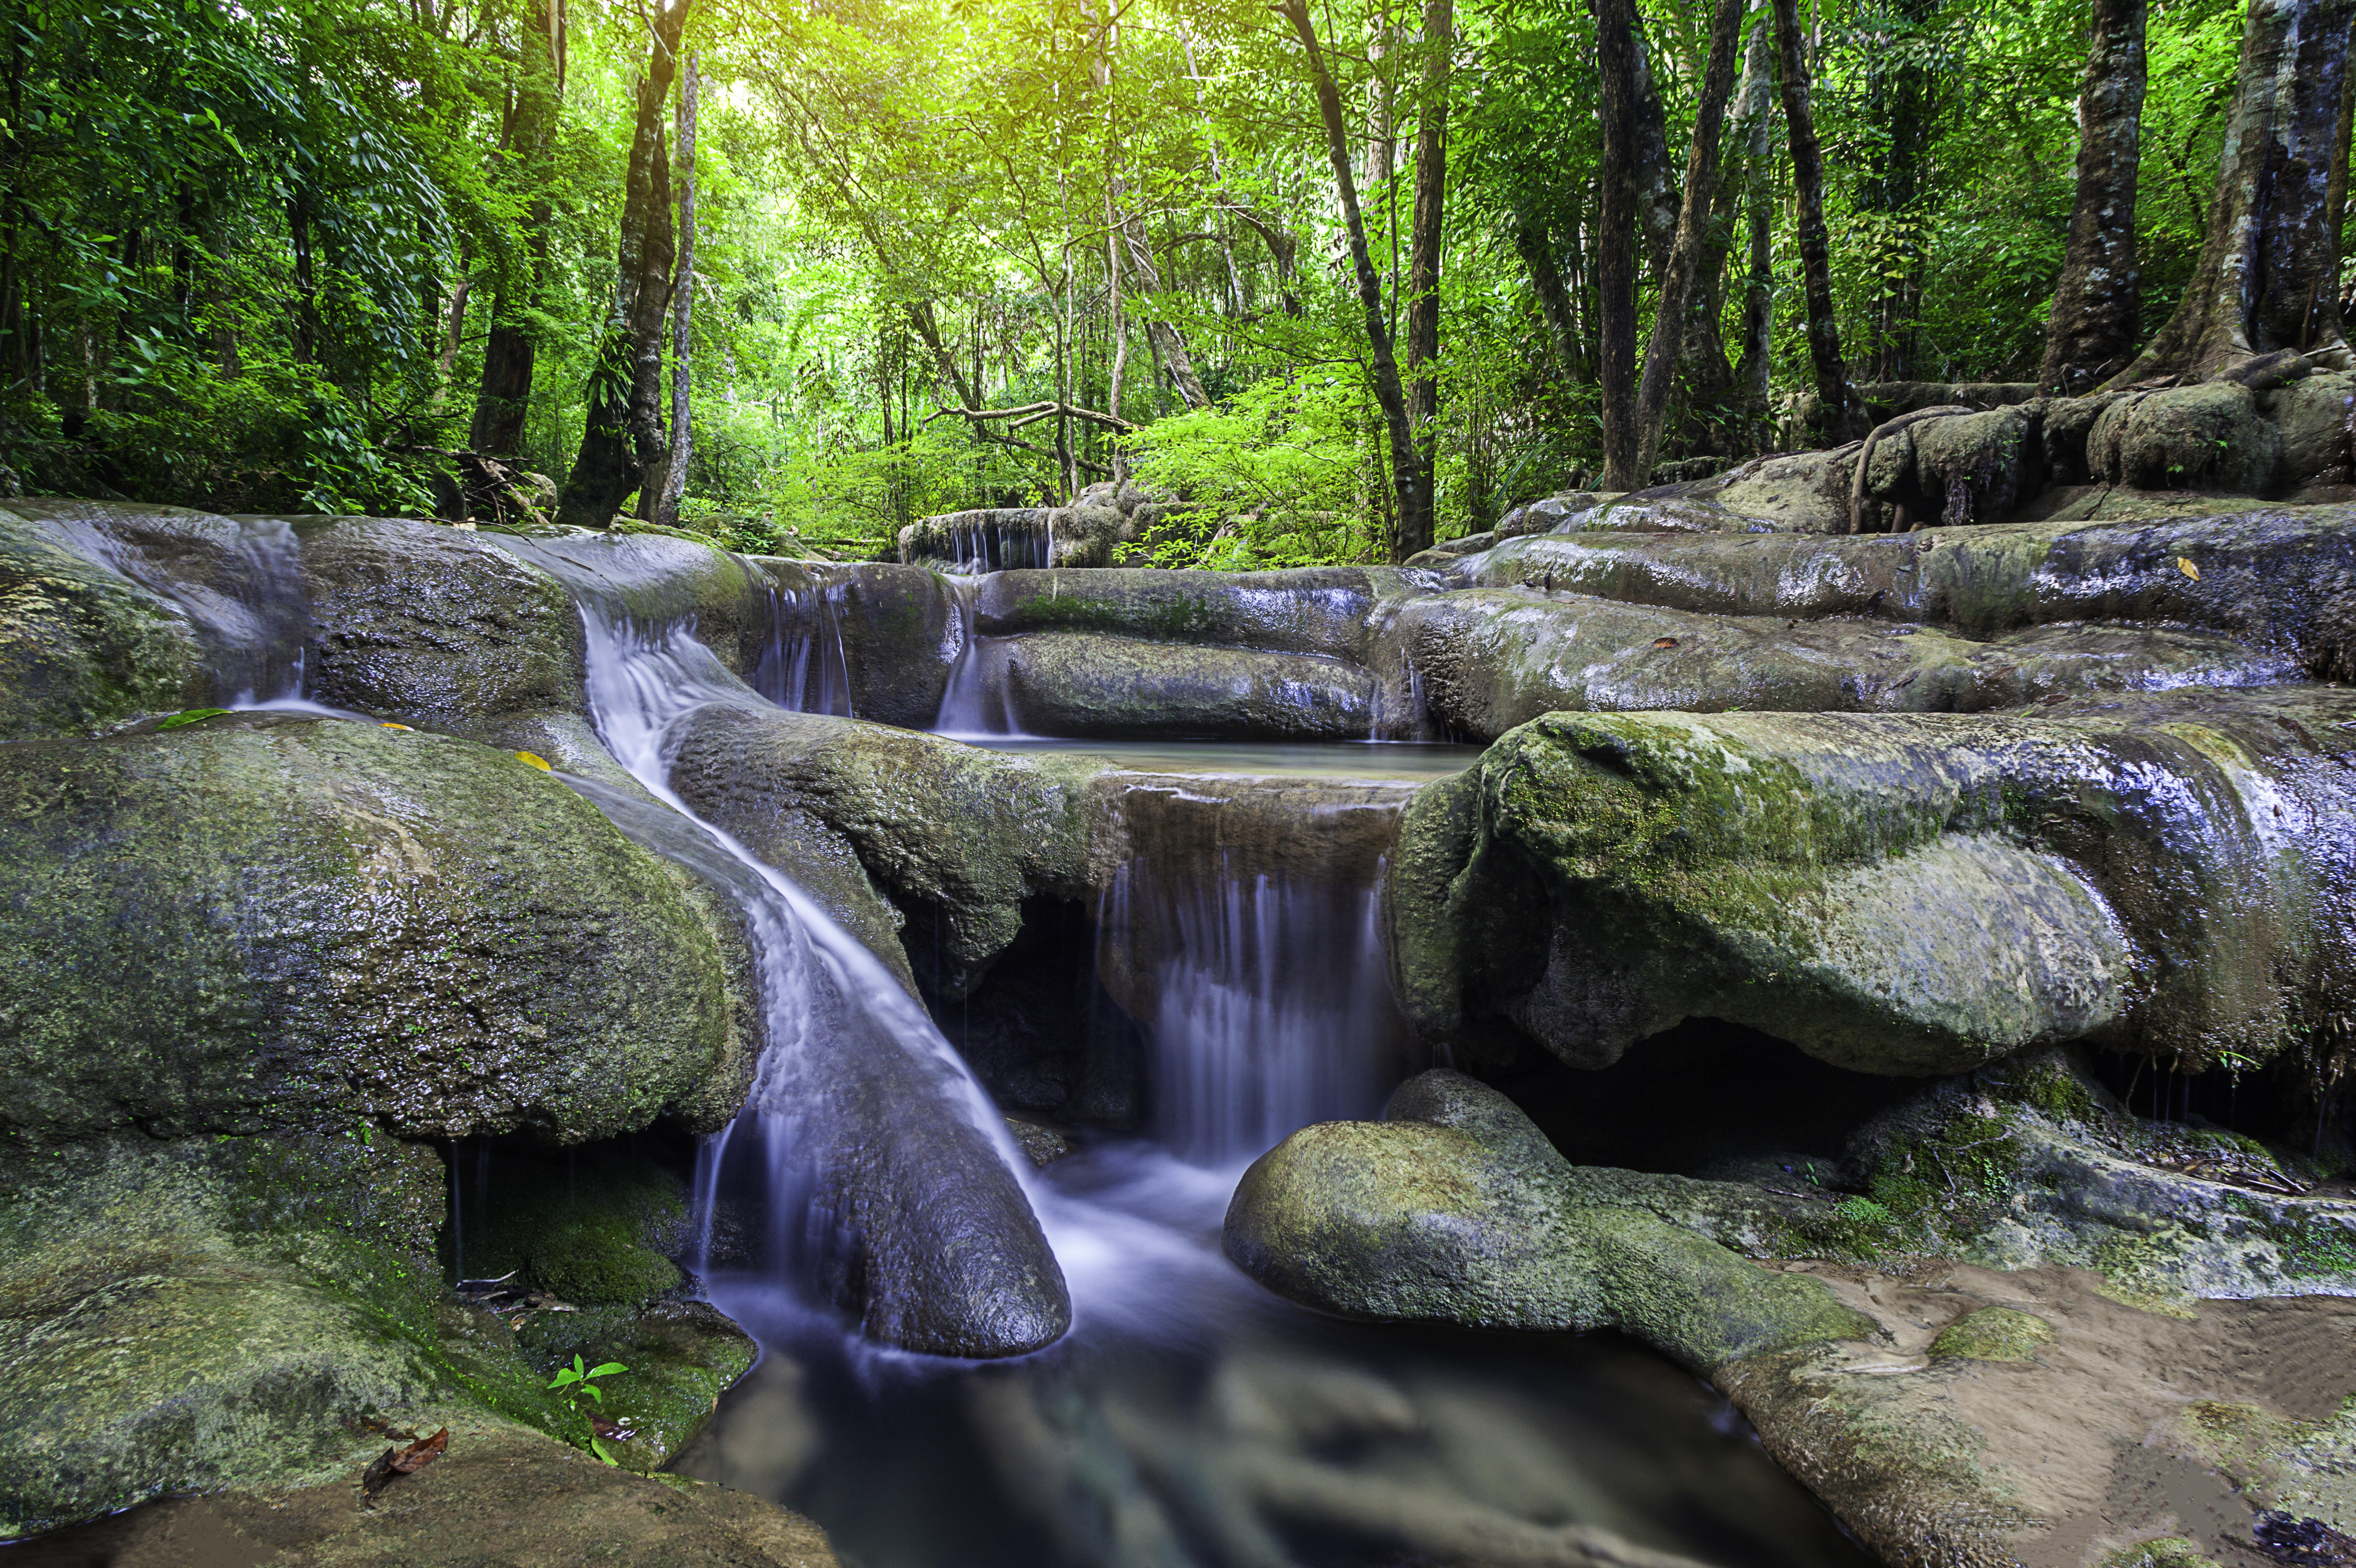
pixel 891 632
pixel 224 1312
pixel 1100 687
pixel 82 647
pixel 2207 437
pixel 1487 659
pixel 653 578
pixel 2315 416
pixel 335 919
pixel 1466 1218
pixel 1805 492
pixel 2280 582
pixel 963 834
pixel 682 1355
pixel 1893 893
pixel 1317 610
pixel 434 624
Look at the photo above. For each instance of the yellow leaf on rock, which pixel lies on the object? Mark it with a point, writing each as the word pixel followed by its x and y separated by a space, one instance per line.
pixel 535 762
pixel 2184 565
pixel 390 726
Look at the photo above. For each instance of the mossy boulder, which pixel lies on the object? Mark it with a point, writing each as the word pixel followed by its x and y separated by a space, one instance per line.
pixel 82 647
pixel 1317 610
pixel 597 1261
pixel 1472 1221
pixel 1994 1334
pixel 1893 893
pixel 225 1311
pixel 435 624
pixel 260 920
pixel 1101 687
pixel 2206 437
pixel 682 1355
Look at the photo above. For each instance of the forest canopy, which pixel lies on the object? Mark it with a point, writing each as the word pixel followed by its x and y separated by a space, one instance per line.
pixel 350 255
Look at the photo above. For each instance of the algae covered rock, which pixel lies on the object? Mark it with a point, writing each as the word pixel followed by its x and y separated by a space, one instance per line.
pixel 1994 1334
pixel 1099 687
pixel 1894 893
pixel 82 646
pixel 1475 1222
pixel 598 1260
pixel 263 920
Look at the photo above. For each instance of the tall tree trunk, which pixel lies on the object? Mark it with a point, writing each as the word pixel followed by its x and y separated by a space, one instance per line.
pixel 1423 250
pixel 1656 179
pixel 1167 340
pixel 625 393
pixel 2092 331
pixel 1815 250
pixel 306 286
pixel 1759 285
pixel 1410 526
pixel 509 347
pixel 2266 277
pixel 1536 247
pixel 1669 322
pixel 673 486
pixel 1616 48
pixel 1902 97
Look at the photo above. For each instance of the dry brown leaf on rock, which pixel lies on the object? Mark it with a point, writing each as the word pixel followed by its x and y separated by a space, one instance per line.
pixel 394 1462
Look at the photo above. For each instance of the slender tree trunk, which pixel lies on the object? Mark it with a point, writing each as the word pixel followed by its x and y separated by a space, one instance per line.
pixel 2335 201
pixel 2266 277
pixel 1616 48
pixel 624 393
pixel 2092 331
pixel 306 287
pixel 1423 252
pixel 1410 526
pixel 1815 249
pixel 1759 286
pixel 1902 96
pixel 1535 248
pixel 1655 175
pixel 1167 340
pixel 673 488
pixel 1693 234
pixel 508 348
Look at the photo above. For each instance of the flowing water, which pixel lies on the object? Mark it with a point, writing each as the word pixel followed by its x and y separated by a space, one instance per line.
pixel 1189 1419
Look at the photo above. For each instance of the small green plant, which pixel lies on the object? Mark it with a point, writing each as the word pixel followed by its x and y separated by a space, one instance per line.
pixel 1864 1211
pixel 575 1383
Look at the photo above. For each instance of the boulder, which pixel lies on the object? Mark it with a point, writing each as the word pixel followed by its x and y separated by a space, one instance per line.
pixel 2169 874
pixel 962 835
pixel 1487 659
pixel 1450 1209
pixel 2206 437
pixel 434 625
pixel 869 641
pixel 2281 581
pixel 1801 492
pixel 338 920
pixel 1101 687
pixel 2316 415
pixel 1315 610
pixel 83 646
pixel 652 579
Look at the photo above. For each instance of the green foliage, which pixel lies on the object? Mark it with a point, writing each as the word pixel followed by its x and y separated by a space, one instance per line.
pixel 574 1384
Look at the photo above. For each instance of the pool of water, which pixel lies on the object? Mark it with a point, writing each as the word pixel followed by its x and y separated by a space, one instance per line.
pixel 1193 1420
pixel 1380 760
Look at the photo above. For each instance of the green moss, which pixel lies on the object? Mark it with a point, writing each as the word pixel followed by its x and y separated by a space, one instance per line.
pixel 2317 1249
pixel 593 1259
pixel 1993 1334
pixel 681 1357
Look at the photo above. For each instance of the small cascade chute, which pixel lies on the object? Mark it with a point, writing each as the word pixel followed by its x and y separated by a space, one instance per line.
pixel 976 701
pixel 805 668
pixel 1246 931
pixel 888 1181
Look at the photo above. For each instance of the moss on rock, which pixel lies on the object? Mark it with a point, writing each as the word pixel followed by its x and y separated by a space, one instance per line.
pixel 1993 1334
pixel 82 647
pixel 264 921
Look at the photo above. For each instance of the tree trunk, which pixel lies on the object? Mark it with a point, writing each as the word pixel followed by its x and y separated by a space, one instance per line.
pixel 1616 48
pixel 1669 322
pixel 1759 287
pixel 306 287
pixel 2092 331
pixel 2266 279
pixel 1423 250
pixel 673 486
pixel 1410 527
pixel 1535 248
pixel 509 347
pixel 618 437
pixel 1902 96
pixel 1657 186
pixel 1815 250
pixel 1167 340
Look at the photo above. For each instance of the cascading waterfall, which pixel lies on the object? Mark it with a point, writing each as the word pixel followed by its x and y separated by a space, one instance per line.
pixel 860 1113
pixel 976 701
pixel 805 668
pixel 1246 931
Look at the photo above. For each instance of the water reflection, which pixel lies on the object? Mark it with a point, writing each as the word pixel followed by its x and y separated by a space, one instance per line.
pixel 1191 1420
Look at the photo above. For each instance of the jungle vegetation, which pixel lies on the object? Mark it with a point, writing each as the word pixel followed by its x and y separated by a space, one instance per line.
pixel 1348 275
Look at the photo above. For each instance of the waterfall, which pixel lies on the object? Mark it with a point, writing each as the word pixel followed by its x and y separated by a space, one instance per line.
pixel 805 667
pixel 1245 931
pixel 976 701
pixel 887 1180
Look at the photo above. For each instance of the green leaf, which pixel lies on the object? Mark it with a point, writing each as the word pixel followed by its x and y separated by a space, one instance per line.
pixel 191 716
